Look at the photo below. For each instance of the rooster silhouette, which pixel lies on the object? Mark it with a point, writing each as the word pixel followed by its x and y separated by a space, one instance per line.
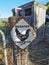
pixel 22 37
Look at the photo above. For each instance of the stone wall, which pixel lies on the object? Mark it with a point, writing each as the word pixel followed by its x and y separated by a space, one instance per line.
pixel 34 54
pixel 37 53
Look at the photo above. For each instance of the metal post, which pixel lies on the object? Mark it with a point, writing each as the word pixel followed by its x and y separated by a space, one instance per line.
pixel 4 45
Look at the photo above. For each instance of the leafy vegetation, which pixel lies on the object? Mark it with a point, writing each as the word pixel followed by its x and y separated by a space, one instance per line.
pixel 5 28
pixel 2 26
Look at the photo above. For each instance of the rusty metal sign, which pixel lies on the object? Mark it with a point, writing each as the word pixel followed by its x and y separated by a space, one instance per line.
pixel 22 33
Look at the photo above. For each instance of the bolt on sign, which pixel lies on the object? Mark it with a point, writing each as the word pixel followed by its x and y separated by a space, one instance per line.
pixel 22 33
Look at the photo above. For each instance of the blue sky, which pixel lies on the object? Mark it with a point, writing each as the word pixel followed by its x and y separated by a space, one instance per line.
pixel 7 5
